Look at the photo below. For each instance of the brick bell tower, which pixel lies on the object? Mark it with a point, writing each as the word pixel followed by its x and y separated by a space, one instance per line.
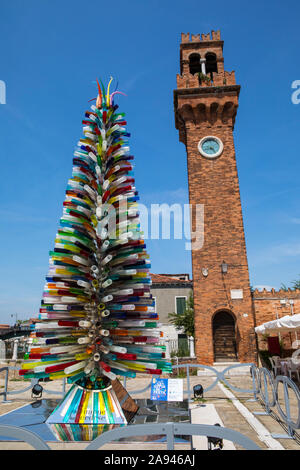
pixel 206 102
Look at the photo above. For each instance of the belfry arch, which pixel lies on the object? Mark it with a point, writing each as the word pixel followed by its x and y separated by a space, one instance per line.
pixel 194 63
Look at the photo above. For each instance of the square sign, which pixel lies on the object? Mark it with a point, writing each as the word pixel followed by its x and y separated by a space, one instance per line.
pixel 167 389
pixel 236 293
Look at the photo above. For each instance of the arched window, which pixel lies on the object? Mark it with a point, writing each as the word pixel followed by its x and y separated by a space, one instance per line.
pixel 194 63
pixel 211 64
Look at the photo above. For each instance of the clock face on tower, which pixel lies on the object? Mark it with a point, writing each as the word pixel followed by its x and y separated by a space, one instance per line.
pixel 210 147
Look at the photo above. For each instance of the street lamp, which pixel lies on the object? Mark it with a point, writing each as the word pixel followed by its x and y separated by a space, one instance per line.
pixel 198 391
pixel 36 391
pixel 224 267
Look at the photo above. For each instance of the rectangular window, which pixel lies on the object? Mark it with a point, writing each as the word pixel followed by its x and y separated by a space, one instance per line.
pixel 180 304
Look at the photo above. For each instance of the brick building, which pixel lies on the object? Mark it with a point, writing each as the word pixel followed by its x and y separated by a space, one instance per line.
pixel 270 305
pixel 205 103
pixel 171 292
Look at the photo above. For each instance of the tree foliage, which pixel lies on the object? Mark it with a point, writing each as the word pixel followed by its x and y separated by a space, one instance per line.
pixel 295 285
pixel 185 320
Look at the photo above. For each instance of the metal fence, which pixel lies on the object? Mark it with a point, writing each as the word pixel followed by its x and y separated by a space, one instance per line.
pixel 267 392
pixel 7 392
pixel 220 376
pixel 265 389
pixel 170 430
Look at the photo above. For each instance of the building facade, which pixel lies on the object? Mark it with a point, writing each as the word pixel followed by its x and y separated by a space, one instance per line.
pixel 226 311
pixel 270 305
pixel 171 293
pixel 206 102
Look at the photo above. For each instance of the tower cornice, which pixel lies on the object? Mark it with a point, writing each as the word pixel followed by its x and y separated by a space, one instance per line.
pixel 201 44
pixel 202 91
pixel 210 105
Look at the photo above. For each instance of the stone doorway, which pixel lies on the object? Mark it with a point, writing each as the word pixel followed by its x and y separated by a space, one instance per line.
pixel 224 338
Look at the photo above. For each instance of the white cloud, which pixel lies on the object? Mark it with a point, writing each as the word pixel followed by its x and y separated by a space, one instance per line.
pixel 275 253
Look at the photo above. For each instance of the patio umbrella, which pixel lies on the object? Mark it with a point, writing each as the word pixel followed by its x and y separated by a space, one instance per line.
pixel 286 323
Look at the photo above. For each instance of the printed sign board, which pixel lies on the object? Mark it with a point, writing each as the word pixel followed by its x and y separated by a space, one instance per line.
pixel 236 293
pixel 167 389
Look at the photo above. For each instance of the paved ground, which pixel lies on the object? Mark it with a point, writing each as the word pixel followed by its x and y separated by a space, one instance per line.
pixel 230 416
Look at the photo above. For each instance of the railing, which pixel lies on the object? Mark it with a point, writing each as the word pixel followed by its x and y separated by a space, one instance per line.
pixel 265 383
pixel 170 430
pixel 15 332
pixel 7 392
pixel 262 383
pixel 220 376
pixel 23 435
pixel 173 345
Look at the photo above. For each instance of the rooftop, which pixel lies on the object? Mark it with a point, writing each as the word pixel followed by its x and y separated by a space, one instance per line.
pixel 171 279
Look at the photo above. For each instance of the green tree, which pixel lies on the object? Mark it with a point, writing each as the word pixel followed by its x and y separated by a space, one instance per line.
pixel 185 320
pixel 295 285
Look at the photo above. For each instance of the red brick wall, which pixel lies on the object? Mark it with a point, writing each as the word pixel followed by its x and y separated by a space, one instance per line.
pixel 215 184
pixel 268 307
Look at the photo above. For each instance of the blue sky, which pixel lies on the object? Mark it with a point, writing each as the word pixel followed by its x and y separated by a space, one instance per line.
pixel 51 53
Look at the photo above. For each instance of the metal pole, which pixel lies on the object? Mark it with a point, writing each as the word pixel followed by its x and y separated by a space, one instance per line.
pixel 277 317
pixel 5 387
pixel 266 395
pixel 170 436
pixel 288 410
pixel 253 373
pixel 188 382
pixel 291 302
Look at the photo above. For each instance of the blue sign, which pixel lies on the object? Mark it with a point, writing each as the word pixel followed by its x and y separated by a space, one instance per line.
pixel 167 389
pixel 159 389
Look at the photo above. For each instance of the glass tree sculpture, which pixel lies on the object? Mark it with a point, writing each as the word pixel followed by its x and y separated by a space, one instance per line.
pixel 97 318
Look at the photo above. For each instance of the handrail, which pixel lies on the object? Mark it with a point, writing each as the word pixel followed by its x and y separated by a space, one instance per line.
pixel 172 429
pixel 23 435
pixel 32 383
pixel 261 378
pixel 220 376
pixel 285 414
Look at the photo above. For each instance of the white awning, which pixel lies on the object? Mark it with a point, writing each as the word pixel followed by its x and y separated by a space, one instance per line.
pixel 287 323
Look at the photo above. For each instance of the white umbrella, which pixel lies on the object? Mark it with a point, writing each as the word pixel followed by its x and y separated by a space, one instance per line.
pixel 286 323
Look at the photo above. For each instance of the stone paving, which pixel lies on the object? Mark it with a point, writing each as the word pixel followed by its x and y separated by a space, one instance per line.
pixel 228 413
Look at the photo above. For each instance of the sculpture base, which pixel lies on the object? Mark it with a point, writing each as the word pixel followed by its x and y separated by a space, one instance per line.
pixel 109 405
pixel 32 417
